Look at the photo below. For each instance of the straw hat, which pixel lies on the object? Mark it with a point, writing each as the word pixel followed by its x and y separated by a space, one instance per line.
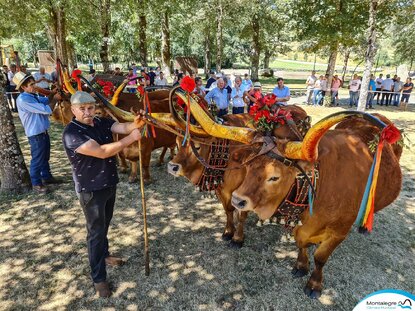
pixel 81 97
pixel 20 77
pixel 257 85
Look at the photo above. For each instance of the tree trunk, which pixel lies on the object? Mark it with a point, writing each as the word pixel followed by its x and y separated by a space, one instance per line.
pixel 57 31
pixel 370 55
pixel 165 45
pixel 14 176
pixel 208 59
pixel 255 48
pixel 105 6
pixel 330 71
pixel 142 40
pixel 219 37
pixel 72 62
pixel 267 57
pixel 346 60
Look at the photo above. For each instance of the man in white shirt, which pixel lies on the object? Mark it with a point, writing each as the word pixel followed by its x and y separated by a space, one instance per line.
pixel 237 96
pixel 378 82
pixel 12 87
pixel 160 80
pixel 354 87
pixel 311 80
pixel 42 79
pixel 397 88
pixel 387 86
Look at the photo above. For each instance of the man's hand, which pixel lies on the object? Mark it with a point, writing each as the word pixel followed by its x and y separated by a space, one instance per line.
pixel 139 121
pixel 135 135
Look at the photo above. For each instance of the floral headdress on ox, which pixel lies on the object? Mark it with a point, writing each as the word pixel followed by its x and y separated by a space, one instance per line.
pixel 105 87
pixel 268 114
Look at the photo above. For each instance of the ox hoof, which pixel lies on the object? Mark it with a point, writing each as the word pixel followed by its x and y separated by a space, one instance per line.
pixel 298 273
pixel 147 181
pixel 123 170
pixel 236 244
pixel 312 293
pixel 227 236
pixel 132 180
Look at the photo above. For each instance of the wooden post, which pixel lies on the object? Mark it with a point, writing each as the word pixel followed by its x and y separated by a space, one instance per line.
pixel 143 203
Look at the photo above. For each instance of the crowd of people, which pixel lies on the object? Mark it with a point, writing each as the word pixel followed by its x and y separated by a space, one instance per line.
pixel 391 92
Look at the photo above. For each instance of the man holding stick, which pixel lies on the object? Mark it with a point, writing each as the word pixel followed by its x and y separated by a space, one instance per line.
pixel 90 148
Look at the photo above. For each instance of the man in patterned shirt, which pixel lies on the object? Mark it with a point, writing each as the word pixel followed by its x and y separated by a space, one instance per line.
pixel 91 150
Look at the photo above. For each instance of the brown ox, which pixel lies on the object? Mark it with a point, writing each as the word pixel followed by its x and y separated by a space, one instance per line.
pixel 344 161
pixel 186 164
pixel 159 102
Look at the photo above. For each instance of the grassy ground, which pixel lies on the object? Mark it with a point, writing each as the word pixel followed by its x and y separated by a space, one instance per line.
pixel 44 263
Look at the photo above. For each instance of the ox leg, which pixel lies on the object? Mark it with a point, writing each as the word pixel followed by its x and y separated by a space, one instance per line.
pixel 134 172
pixel 172 152
pixel 123 163
pixel 161 159
pixel 146 165
pixel 229 209
pixel 314 285
pixel 238 237
pixel 302 265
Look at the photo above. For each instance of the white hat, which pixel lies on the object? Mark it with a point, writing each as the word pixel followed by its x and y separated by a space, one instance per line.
pixel 81 97
pixel 20 77
pixel 257 85
pixel 219 75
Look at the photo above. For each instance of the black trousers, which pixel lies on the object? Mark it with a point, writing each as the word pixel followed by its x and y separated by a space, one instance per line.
pixel 388 96
pixel 98 207
pixel 377 94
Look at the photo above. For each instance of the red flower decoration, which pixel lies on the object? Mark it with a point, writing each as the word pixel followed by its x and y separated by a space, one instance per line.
pixel 76 73
pixel 391 134
pixel 270 99
pixel 140 89
pixel 188 84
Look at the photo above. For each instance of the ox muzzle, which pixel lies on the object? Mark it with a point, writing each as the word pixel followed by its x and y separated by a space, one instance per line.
pixel 240 203
pixel 174 168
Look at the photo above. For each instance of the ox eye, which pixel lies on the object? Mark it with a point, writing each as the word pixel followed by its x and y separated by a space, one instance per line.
pixel 197 148
pixel 274 178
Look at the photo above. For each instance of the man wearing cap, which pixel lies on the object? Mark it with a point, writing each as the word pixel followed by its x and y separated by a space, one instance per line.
pixel 282 92
pixel 91 150
pixel 34 114
pixel 210 80
pixel 254 94
pixel 219 95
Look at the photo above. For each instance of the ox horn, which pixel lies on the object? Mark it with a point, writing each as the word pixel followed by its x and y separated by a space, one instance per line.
pixel 308 148
pixel 240 134
pixel 194 130
pixel 115 97
pixel 66 81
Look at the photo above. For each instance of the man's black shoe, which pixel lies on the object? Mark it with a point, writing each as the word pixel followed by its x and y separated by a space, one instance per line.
pixel 51 181
pixel 40 189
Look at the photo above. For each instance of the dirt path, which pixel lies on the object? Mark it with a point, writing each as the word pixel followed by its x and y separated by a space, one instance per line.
pixel 44 266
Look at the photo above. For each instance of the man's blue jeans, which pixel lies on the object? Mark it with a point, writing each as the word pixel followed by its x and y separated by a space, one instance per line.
pixel 354 98
pixel 395 97
pixel 40 152
pixel 317 96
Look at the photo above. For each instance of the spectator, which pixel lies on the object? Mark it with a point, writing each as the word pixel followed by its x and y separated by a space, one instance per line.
pixel 160 80
pixel 282 92
pixel 387 86
pixel 145 80
pixel 199 89
pixel 397 88
pixel 133 82
pixel 379 82
pixel 324 87
pixel 23 69
pixel 237 95
pixel 12 87
pixel 395 77
pixel 134 68
pixel 34 114
pixel 317 91
pixel 227 87
pixel 406 92
pixel 179 79
pixel 42 79
pixel 152 76
pixel 335 85
pixel 310 82
pixel 117 72
pixel 219 96
pixel 92 75
pixel 210 80
pixel 371 93
pixel 246 82
pixel 254 94
pixel 354 87
pixel 158 70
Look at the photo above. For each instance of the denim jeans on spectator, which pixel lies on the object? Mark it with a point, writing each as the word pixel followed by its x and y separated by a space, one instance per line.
pixel 333 97
pixel 395 98
pixel 237 110
pixel 39 164
pixel 316 97
pixel 369 99
pixel 354 98
pixel 222 112
pixel 98 207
